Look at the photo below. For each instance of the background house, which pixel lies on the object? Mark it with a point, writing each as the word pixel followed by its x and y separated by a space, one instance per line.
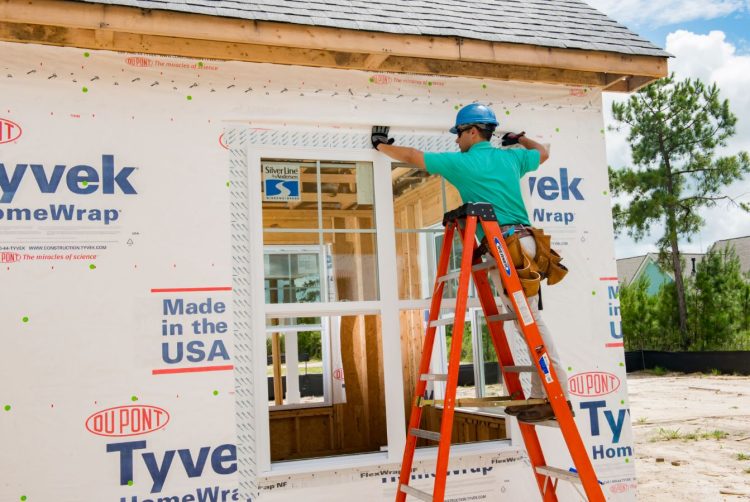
pixel 741 246
pixel 630 270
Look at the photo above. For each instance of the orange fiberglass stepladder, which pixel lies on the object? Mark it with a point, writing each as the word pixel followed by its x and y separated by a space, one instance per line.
pixel 465 220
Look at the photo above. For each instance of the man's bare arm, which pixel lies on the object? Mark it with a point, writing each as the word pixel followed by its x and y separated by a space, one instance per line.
pixel 530 144
pixel 411 156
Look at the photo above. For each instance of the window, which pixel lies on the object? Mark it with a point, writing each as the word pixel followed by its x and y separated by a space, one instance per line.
pixel 326 390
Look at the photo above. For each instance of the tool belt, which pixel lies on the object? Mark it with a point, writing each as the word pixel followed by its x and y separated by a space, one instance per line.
pixel 533 269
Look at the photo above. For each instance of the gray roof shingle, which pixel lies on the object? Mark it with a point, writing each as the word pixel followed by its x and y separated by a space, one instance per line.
pixel 546 23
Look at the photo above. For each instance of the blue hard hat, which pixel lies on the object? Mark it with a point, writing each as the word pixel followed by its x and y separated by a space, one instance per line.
pixel 474 113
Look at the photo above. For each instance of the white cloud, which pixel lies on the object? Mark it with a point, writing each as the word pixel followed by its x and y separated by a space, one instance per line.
pixel 714 60
pixel 655 13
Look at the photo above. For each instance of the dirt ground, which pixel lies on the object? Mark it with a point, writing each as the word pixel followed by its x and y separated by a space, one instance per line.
pixel 692 436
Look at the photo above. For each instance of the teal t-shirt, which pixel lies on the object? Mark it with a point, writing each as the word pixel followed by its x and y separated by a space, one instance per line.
pixel 488 174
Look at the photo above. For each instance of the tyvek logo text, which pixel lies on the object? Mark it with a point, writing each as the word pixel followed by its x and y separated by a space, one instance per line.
pixel 79 179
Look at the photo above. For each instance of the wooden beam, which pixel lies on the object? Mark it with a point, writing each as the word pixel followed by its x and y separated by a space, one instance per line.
pixel 205 49
pixel 373 61
pixel 278 384
pixel 637 83
pixel 369 50
pixel 627 84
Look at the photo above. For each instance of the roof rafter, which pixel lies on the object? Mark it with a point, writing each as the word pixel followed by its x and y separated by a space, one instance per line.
pixel 131 29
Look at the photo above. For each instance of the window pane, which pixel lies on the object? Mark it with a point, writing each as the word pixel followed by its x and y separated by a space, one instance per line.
pixel 417 198
pixel 347 195
pixel 340 407
pixel 304 350
pixel 415 264
pixel 351 266
pixel 292 277
pixel 289 193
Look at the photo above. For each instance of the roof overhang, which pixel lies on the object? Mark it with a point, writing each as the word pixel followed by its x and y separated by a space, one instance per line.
pixel 136 30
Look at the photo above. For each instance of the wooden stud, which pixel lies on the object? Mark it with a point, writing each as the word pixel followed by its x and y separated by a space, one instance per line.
pixel 278 383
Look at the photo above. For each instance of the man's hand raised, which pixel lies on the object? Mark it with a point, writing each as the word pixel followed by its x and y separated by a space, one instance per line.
pixel 511 138
pixel 380 136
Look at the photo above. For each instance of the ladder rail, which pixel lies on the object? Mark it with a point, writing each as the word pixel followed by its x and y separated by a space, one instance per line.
pixel 462 294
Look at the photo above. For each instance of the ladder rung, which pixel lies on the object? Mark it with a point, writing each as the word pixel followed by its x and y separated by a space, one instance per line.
pixel 555 472
pixel 416 493
pixel 441 322
pixel 482 266
pixel 506 316
pixel 433 377
pixel 519 369
pixel 421 433
pixel 448 277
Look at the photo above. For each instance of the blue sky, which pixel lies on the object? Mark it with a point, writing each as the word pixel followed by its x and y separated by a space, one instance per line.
pixel 736 27
pixel 710 40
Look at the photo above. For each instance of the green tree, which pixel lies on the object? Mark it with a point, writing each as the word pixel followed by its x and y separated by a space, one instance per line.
pixel 720 302
pixel 674 129
pixel 638 311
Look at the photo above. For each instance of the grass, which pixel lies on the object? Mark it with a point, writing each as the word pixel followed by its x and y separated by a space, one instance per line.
pixel 715 372
pixel 743 456
pixel 667 434
pixel 641 420
pixel 657 371
pixel 675 434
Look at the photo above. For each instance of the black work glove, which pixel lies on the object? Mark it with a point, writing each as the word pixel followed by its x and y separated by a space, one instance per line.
pixel 380 136
pixel 511 138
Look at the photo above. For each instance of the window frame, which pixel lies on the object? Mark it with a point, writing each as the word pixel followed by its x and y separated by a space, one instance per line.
pixel 386 307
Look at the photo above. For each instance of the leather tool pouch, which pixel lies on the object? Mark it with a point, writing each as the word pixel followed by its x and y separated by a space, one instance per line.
pixel 530 279
pixel 547 259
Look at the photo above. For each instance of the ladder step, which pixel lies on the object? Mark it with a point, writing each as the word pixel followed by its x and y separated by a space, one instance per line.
pixel 441 322
pixel 416 493
pixel 433 377
pixel 421 433
pixel 506 316
pixel 483 266
pixel 519 369
pixel 448 277
pixel 555 472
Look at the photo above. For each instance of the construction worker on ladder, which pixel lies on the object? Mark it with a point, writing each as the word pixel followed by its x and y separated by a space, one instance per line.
pixel 483 173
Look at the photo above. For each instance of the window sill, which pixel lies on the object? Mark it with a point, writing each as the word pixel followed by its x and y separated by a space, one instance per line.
pixel 364 460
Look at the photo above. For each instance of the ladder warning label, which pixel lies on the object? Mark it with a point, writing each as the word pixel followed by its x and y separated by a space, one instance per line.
pixel 544 364
pixel 523 308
